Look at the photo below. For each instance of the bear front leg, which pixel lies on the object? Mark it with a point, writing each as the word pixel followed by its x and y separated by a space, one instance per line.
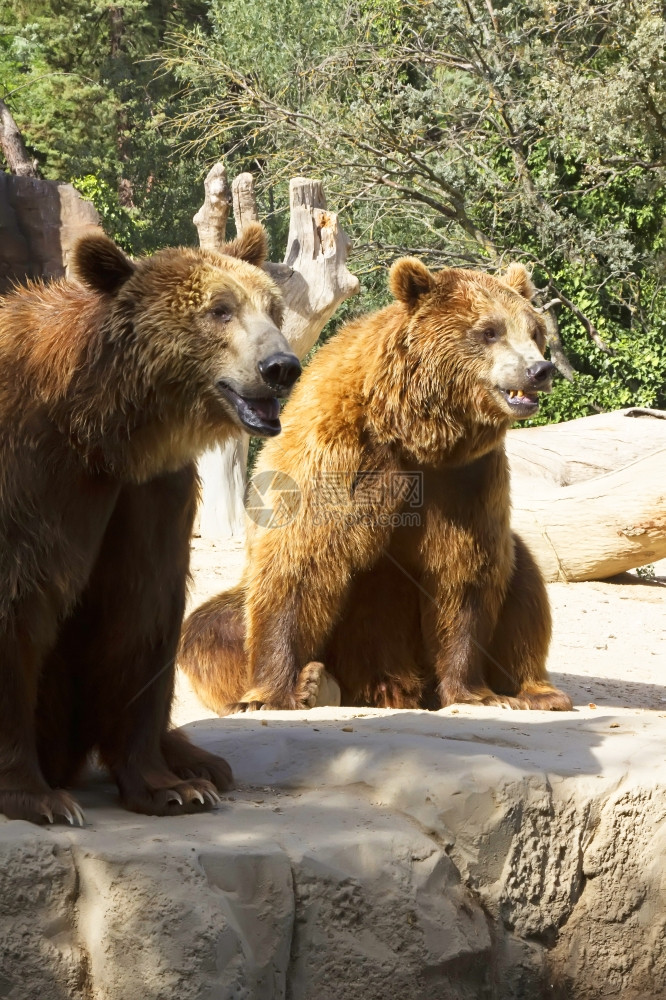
pixel 516 660
pixel 300 574
pixel 277 682
pixel 134 608
pixel 456 630
pixel 24 792
pixel 288 625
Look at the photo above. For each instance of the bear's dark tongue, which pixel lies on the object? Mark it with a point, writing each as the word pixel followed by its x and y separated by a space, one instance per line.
pixel 267 409
pixel 258 415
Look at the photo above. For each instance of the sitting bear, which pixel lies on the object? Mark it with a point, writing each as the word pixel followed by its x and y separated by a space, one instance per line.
pixel 109 389
pixel 392 560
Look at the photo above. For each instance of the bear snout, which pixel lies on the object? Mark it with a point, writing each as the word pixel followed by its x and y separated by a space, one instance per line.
pixel 279 371
pixel 540 373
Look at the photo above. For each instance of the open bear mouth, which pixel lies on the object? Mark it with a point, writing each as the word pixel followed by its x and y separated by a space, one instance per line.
pixel 523 404
pixel 259 415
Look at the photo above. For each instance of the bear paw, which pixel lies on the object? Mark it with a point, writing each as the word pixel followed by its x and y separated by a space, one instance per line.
pixel 478 696
pixel 541 697
pixel 49 806
pixel 188 761
pixel 545 698
pixel 316 687
pixel 238 707
pixel 180 797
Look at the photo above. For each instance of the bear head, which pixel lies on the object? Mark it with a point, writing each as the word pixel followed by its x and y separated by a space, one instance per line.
pixel 196 330
pixel 473 342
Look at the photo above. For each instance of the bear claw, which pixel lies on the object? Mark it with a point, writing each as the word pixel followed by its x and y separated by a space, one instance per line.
pixel 50 806
pixel 74 815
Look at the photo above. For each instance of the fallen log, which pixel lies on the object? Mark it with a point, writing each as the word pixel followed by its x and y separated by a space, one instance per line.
pixel 576 450
pixel 589 495
pixel 596 528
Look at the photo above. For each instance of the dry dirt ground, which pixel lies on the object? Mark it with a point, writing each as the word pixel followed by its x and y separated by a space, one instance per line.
pixel 608 649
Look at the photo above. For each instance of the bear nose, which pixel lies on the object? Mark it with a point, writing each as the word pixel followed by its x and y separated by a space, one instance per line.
pixel 280 371
pixel 541 371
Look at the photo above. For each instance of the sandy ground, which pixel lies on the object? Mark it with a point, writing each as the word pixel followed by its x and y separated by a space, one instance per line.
pixel 608 649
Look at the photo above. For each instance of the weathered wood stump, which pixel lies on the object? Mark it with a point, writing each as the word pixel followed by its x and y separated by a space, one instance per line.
pixel 313 279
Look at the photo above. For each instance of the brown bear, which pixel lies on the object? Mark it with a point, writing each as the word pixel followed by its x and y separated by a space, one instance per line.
pixel 395 565
pixel 109 388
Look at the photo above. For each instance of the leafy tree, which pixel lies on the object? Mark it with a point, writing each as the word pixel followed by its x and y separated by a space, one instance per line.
pixel 76 77
pixel 472 132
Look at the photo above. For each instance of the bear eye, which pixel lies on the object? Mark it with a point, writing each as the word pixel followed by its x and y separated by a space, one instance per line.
pixel 490 335
pixel 221 313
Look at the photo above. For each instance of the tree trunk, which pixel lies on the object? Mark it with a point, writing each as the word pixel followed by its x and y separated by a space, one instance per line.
pixel 13 147
pixel 116 15
pixel 589 495
pixel 313 280
pixel 243 201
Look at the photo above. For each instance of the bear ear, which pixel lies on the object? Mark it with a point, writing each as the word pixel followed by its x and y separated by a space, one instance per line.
pixel 251 246
pixel 409 279
pixel 518 277
pixel 100 264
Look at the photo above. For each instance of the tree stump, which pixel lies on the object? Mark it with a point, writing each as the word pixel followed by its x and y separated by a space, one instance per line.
pixel 211 219
pixel 313 279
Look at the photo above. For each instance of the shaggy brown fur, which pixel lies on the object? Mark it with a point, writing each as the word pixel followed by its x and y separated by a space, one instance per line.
pixel 452 609
pixel 108 390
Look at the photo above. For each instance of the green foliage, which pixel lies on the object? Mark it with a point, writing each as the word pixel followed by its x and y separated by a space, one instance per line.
pixel 471 133
pixel 114 217
pixel 468 132
pixel 76 76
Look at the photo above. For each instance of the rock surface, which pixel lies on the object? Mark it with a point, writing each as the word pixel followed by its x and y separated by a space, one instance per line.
pixel 471 853
pixel 39 223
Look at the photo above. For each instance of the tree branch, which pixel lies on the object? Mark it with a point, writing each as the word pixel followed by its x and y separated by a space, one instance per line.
pixel 557 352
pixel 592 331
pixel 13 147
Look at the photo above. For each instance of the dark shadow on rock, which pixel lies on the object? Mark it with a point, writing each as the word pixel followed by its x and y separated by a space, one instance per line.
pixel 611 692
pixel 306 749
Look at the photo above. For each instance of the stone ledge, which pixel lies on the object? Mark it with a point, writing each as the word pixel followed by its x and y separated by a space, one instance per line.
pixel 462 854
